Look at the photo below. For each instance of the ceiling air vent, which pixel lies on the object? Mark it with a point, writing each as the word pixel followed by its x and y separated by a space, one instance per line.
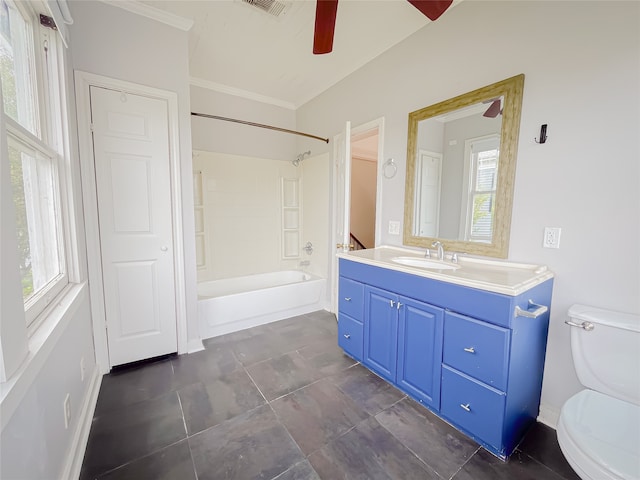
pixel 272 7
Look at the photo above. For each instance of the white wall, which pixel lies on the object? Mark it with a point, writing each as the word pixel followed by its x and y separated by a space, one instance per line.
pixel 112 42
pixel 242 214
pixel 35 443
pixel 238 139
pixel 316 214
pixel 581 66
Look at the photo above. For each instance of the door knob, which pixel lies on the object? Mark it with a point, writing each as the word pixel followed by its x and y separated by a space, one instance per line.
pixel 164 248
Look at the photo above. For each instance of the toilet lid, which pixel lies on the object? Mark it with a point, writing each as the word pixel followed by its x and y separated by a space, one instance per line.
pixel 606 430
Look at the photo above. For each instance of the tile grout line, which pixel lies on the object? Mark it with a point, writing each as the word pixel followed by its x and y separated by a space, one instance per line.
pixel 465 462
pixel 255 384
pixel 540 463
pixel 101 474
pixel 407 447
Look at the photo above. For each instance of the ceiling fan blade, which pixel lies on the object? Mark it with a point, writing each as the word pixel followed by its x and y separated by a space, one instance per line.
pixel 325 25
pixel 494 110
pixel 432 9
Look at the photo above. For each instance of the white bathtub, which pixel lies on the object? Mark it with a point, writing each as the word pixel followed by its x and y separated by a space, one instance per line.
pixel 232 304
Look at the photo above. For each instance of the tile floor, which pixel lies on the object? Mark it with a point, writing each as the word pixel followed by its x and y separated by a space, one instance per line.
pixel 281 401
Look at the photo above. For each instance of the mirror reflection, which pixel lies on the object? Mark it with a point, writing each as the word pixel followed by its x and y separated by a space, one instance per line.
pixel 460 170
pixel 456 173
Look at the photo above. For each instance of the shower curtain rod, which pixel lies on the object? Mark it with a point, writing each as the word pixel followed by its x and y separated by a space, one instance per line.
pixel 261 125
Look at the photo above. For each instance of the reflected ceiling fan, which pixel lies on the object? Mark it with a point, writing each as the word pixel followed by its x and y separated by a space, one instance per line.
pixel 326 20
pixel 494 109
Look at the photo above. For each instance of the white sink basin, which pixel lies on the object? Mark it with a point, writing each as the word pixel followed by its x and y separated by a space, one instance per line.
pixel 424 263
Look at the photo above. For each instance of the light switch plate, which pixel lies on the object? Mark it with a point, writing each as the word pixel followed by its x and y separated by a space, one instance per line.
pixel 394 228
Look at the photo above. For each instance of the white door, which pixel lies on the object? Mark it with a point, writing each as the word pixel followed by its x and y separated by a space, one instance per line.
pixel 342 183
pixel 428 175
pixel 131 154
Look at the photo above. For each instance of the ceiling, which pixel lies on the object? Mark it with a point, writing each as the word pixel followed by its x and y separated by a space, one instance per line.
pixel 237 48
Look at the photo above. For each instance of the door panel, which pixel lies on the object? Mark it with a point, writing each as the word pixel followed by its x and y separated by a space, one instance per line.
pixel 131 154
pixel 381 332
pixel 420 350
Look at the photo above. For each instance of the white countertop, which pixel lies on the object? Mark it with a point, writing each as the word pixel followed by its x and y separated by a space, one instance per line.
pixel 499 276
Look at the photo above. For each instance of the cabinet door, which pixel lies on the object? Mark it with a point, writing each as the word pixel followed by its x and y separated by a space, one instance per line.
pixel 420 350
pixel 380 331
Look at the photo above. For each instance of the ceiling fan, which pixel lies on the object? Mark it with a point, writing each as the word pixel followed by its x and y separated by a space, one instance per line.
pixel 326 19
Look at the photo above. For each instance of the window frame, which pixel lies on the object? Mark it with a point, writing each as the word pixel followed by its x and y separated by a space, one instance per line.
pixel 50 143
pixel 469 191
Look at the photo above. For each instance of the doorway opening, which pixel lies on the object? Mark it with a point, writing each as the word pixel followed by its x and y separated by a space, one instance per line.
pixel 364 186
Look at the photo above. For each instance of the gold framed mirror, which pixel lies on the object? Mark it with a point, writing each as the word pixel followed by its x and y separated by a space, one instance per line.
pixel 461 163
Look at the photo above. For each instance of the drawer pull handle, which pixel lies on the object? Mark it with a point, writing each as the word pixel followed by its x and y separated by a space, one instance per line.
pixel 347 299
pixel 392 303
pixel 347 336
pixel 465 407
pixel 538 310
pixel 470 350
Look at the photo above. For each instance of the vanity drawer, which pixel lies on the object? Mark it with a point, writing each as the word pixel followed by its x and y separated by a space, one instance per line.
pixel 473 406
pixel 477 348
pixel 351 298
pixel 350 334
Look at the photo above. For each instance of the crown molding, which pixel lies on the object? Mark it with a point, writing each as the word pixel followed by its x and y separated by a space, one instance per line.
pixel 220 88
pixel 153 13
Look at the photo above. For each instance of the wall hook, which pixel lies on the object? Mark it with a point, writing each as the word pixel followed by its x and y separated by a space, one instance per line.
pixel 543 134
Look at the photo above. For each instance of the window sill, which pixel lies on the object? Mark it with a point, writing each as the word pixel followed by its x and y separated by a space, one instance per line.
pixel 42 341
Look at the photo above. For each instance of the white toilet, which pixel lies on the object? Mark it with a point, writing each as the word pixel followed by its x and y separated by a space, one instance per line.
pixel 599 427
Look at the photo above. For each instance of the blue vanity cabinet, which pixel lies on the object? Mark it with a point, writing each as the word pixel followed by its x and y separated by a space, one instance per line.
pixel 350 317
pixel 403 343
pixel 474 357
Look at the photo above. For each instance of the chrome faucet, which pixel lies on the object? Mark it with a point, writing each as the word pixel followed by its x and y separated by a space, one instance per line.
pixel 440 248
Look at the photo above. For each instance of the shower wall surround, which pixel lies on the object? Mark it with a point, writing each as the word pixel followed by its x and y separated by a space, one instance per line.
pixel 241 215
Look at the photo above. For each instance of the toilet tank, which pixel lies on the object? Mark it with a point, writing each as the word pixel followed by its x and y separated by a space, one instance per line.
pixel 607 357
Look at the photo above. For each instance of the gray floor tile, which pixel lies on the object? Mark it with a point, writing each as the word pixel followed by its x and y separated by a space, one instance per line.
pixel 369 452
pixel 283 374
pixel 484 465
pixel 317 414
pixel 327 357
pixel 367 389
pixel 170 463
pixel 300 471
pixel 127 386
pixel 208 404
pixel 257 348
pixel 252 445
pixel 204 366
pixel 541 443
pixel 302 331
pixel 130 433
pixel 435 442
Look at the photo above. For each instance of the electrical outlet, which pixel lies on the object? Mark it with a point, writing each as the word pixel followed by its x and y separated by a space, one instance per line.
pixel 551 237
pixel 394 228
pixel 82 370
pixel 67 410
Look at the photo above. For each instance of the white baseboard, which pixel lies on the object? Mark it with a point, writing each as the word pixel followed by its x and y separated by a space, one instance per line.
pixel 194 345
pixel 549 416
pixel 75 456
